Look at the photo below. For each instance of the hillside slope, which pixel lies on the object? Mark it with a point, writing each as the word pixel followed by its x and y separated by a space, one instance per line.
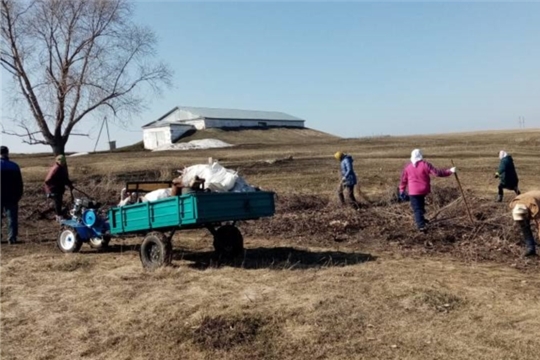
pixel 241 136
pixel 248 136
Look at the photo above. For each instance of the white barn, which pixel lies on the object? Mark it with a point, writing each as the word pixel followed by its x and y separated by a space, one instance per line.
pixel 171 126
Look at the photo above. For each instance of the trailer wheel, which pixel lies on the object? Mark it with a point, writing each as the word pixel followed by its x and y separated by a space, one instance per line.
pixel 228 241
pixel 69 241
pixel 156 251
pixel 99 243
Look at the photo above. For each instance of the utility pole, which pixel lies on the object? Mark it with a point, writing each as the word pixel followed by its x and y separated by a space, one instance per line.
pixel 521 122
pixel 112 144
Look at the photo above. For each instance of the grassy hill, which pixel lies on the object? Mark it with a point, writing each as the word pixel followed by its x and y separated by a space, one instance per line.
pixel 240 136
pixel 249 136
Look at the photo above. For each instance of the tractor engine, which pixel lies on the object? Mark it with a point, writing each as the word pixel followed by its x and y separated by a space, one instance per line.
pixel 85 211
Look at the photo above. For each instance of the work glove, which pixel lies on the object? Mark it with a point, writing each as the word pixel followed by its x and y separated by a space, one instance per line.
pixel 497 175
pixel 403 196
pixel 453 170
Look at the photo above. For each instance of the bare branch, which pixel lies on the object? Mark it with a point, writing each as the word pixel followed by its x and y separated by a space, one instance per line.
pixel 79 134
pixel 30 135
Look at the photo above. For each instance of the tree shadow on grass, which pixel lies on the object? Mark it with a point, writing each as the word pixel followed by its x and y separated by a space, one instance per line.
pixel 278 258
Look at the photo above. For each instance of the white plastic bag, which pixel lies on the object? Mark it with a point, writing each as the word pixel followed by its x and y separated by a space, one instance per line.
pixel 157 194
pixel 216 177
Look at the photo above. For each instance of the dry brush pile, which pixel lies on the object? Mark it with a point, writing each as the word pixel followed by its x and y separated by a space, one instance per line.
pixel 317 221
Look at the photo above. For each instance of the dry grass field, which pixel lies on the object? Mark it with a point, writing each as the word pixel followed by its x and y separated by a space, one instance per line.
pixel 317 281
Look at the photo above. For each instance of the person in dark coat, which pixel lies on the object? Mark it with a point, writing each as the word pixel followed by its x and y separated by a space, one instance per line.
pixel 56 182
pixel 507 175
pixel 11 193
pixel 348 179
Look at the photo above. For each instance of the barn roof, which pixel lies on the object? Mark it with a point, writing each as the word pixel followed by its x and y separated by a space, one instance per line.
pixel 225 114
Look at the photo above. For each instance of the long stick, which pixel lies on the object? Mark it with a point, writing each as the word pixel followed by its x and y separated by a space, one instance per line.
pixel 463 194
pixel 82 192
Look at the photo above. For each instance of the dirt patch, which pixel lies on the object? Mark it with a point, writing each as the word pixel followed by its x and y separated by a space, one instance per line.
pixel 431 300
pixel 224 333
pixel 70 264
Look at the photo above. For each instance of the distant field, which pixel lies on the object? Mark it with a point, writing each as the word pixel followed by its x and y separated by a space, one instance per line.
pixel 316 281
pixel 378 161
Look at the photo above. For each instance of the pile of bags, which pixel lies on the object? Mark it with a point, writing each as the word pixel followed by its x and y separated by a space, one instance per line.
pixel 216 179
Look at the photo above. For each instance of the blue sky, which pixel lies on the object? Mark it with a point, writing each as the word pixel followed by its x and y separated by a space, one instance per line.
pixel 351 69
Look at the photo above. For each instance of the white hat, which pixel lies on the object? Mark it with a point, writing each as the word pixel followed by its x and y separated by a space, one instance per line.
pixel 520 212
pixel 416 156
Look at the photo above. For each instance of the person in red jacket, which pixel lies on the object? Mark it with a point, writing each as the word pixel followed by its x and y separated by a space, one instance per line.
pixel 416 177
pixel 55 183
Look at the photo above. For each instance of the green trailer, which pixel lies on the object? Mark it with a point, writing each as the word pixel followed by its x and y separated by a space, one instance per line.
pixel 158 220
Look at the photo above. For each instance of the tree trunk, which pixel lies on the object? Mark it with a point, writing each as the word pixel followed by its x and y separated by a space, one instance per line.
pixel 58 147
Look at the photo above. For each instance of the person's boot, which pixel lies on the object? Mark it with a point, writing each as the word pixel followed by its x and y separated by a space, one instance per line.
pixel 530 252
pixel 356 205
pixel 341 199
pixel 499 198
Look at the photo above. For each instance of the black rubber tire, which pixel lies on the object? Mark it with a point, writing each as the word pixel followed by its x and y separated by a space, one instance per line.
pixel 228 241
pixel 100 245
pixel 69 241
pixel 156 251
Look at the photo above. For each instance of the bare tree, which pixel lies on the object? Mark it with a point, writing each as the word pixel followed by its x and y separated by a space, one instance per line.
pixel 72 58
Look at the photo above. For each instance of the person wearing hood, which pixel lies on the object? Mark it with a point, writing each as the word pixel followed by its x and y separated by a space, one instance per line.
pixel 12 191
pixel 507 175
pixel 55 183
pixel 526 207
pixel 348 178
pixel 416 179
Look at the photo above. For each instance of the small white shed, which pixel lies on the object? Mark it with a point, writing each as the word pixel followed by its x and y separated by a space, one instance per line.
pixel 171 126
pixel 163 134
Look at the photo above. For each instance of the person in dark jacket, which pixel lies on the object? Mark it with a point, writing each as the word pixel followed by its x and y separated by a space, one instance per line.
pixel 12 190
pixel 55 183
pixel 348 179
pixel 507 175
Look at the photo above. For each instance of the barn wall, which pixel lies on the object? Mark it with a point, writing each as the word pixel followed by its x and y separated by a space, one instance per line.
pixel 218 123
pixel 181 115
pixel 177 130
pixel 172 117
pixel 198 124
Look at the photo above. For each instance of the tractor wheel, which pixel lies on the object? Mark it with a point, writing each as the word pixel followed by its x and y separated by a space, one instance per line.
pixel 156 251
pixel 228 241
pixel 99 243
pixel 69 241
